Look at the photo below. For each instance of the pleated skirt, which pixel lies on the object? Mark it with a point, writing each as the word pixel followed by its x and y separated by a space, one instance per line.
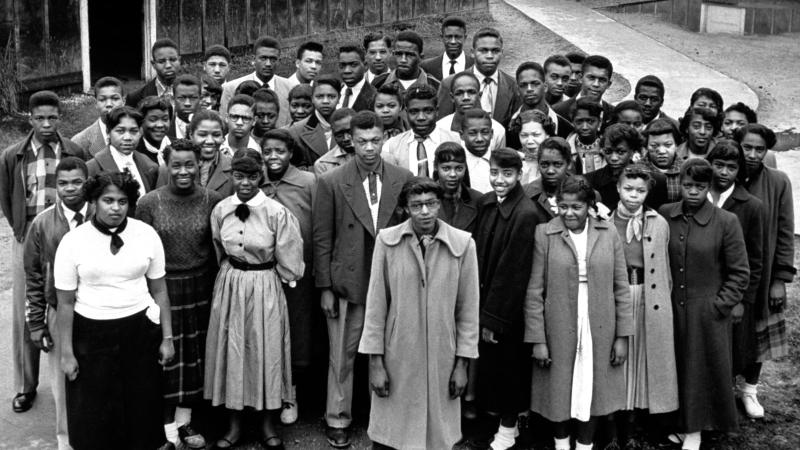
pixel 636 364
pixel 248 356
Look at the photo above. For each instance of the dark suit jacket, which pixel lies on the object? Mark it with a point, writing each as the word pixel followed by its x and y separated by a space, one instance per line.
pixel 104 162
pixel 310 142
pixel 750 212
pixel 563 110
pixel 219 178
pixel 136 96
pixel 604 182
pixel 434 65
pixel 365 98
pixel 506 104
pixel 90 139
pixel 344 236
pixel 13 191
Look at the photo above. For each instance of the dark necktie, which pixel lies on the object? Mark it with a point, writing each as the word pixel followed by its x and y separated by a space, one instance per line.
pixel 422 157
pixel 347 94
pixel 373 187
pixel 424 242
pixel 78 218
pixel 452 67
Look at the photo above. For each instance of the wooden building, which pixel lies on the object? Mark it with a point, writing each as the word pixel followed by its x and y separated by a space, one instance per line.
pixel 62 43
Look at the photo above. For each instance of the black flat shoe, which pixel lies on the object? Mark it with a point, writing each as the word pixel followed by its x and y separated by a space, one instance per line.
pixel 23 402
pixel 225 443
pixel 267 445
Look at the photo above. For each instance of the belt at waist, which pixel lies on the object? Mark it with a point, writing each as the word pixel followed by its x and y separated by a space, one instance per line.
pixel 242 265
pixel 635 275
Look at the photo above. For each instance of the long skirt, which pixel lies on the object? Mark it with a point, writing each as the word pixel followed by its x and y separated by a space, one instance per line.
pixel 504 374
pixel 745 341
pixel 636 364
pixel 248 357
pixel 189 298
pixel 771 335
pixel 115 402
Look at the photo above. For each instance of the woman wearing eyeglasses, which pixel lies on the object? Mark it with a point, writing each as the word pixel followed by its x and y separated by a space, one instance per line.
pixel 259 245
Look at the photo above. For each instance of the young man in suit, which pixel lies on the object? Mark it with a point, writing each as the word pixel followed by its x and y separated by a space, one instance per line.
pixel 407 52
pixel 28 187
pixel 313 136
pixel 352 204
pixel 187 99
pixel 109 93
pixel 414 149
pixel 357 93
pixel 308 64
pixel 124 133
pixel 166 62
pixel 649 94
pixel 454 59
pixel 576 67
pixel 532 84
pixel 596 79
pixel 267 51
pixel 45 234
pixel 376 46
pixel 499 96
pixel 217 63
pixel 343 151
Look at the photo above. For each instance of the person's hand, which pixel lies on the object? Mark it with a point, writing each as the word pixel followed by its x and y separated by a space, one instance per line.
pixel 41 339
pixel 329 305
pixel 378 377
pixel 619 352
pixel 458 380
pixel 166 351
pixel 487 336
pixel 541 354
pixel 69 365
pixel 737 313
pixel 777 296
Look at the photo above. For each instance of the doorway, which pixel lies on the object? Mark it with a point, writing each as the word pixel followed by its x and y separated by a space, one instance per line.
pixel 116 39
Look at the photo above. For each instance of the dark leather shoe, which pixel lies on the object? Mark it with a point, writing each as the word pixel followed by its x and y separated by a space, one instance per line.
pixel 23 402
pixel 338 437
pixel 190 437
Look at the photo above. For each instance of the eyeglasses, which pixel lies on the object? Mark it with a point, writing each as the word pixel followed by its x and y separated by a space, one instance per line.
pixel 417 207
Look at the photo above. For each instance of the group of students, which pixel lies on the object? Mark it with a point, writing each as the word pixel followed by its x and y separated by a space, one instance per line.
pixel 504 249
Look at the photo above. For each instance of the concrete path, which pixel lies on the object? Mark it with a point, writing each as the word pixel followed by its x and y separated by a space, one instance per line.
pixel 634 55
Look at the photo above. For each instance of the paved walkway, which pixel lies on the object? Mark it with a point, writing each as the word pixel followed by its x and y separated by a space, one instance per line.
pixel 634 55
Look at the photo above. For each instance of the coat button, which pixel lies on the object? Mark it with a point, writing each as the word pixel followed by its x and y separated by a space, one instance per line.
pixel 680 270
pixel 655 307
pixel 652 255
pixel 653 286
pixel 681 237
pixel 652 270
pixel 649 239
pixel 683 303
pixel 350 225
pixel 682 286
pixel 350 268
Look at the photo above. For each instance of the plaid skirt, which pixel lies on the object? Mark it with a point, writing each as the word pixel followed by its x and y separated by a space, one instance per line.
pixel 190 296
pixel 771 336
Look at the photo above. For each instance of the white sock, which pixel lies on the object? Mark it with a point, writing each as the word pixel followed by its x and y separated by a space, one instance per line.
pixel 562 444
pixel 504 438
pixel 692 441
pixel 183 416
pixel 579 446
pixel 171 430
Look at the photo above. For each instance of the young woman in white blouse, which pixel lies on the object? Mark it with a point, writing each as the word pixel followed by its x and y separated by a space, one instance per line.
pixel 109 276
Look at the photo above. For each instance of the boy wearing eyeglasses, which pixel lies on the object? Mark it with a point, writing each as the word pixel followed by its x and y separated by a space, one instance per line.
pixel 240 119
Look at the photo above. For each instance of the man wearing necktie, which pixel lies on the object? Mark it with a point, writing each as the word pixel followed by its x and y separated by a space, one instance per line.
pixel 352 204
pixel 46 231
pixel 414 149
pixel 358 94
pixel 454 59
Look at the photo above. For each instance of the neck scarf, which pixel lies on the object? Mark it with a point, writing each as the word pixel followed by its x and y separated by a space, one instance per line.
pixel 116 241
pixel 635 220
pixel 242 211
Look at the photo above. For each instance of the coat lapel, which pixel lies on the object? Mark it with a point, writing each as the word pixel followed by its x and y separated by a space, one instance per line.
pixel 594 234
pixel 503 99
pixel 354 195
pixel 390 190
pixel 105 161
pixel 314 138
pixel 220 175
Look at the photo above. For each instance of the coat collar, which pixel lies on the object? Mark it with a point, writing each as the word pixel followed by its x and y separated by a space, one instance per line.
pixel 556 225
pixel 447 235
pixel 510 202
pixel 702 217
pixel 292 176
pixel 64 149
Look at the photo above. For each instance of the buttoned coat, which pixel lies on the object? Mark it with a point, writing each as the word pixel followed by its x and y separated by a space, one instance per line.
pixel 13 184
pixel 433 65
pixel 708 261
pixel 551 316
pixel 344 235
pixel 421 314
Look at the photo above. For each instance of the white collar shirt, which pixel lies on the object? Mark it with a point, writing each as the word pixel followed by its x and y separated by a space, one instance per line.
pixel 461 62
pixel 478 167
pixel 126 161
pixel 356 91
pixel 488 92
pixel 723 197
pixel 70 215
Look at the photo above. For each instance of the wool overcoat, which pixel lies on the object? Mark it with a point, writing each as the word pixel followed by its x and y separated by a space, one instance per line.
pixel 710 275
pixel 421 314
pixel 551 316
